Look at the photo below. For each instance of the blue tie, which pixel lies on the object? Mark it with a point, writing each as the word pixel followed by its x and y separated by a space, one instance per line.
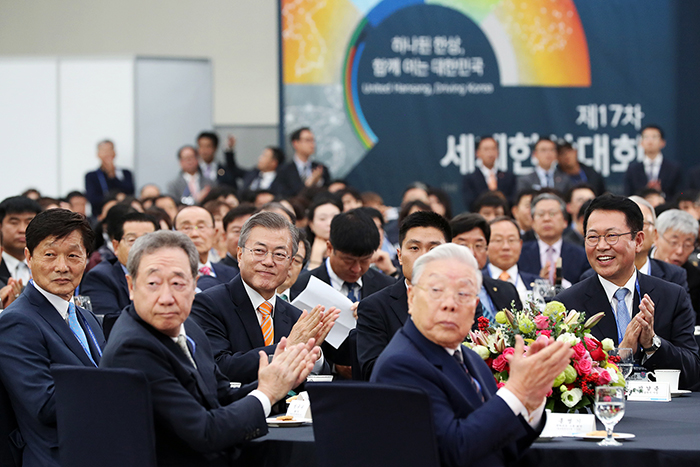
pixel 351 291
pixel 487 305
pixel 78 331
pixel 622 315
pixel 475 384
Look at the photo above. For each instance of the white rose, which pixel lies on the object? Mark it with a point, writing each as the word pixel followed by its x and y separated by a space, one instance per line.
pixel 571 398
pixel 482 351
pixel 568 338
pixel 607 344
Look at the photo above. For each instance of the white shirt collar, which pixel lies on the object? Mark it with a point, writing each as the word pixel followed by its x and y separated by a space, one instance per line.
pixel 256 299
pixel 485 170
pixel 646 267
pixel 611 288
pixel 495 271
pixel 13 263
pixel 336 282
pixel 189 177
pixel 58 303
pixel 656 162
pixel 557 247
pixel 266 179
pixel 301 165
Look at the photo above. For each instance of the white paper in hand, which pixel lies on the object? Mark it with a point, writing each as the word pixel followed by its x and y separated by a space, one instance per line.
pixel 318 292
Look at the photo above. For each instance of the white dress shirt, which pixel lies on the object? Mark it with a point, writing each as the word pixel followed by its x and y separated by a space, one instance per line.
pixel 514 279
pixel 18 269
pixel 653 165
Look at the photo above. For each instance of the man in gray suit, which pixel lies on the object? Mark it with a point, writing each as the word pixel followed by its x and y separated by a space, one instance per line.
pixel 190 186
pixel 545 174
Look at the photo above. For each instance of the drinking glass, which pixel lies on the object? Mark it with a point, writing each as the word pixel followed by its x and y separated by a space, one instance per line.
pixel 609 408
pixel 626 363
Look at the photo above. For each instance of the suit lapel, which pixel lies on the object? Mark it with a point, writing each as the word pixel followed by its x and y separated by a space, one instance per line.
pixel 596 301
pixel 399 304
pixel 282 321
pixel 246 313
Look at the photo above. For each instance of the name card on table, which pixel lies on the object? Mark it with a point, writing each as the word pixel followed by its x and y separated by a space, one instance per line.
pixel 300 407
pixel 647 391
pixel 567 424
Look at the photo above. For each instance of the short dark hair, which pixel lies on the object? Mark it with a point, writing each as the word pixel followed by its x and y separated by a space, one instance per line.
pixel 320 200
pixel 578 186
pixel 182 148
pixel 483 138
pixel 653 126
pixel 527 192
pixel 425 219
pixel 18 205
pixel 219 191
pixel 243 209
pixel 406 208
pixel 543 138
pixel 355 233
pixel 296 134
pixel 307 247
pixel 582 210
pixel 492 199
pixel 277 154
pixel 469 221
pixel 113 220
pixel 75 194
pixel 159 215
pixel 135 216
pixel 443 198
pixel 633 215
pixel 348 190
pixel 563 145
pixel 373 213
pixel 58 223
pixel 505 219
pixel 210 135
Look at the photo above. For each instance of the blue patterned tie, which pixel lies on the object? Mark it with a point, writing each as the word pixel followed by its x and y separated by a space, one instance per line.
pixel 78 331
pixel 351 291
pixel 475 384
pixel 622 314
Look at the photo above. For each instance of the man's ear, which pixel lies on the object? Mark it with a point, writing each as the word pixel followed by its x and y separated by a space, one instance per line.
pixel 130 283
pixel 329 248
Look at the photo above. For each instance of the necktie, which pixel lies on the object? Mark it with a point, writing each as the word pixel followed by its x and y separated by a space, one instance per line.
pixel 182 342
pixel 205 271
pixel 550 182
pixel 265 310
pixel 552 266
pixel 504 276
pixel 475 384
pixel 487 305
pixel 492 182
pixel 351 291
pixel 78 331
pixel 622 315
pixel 192 186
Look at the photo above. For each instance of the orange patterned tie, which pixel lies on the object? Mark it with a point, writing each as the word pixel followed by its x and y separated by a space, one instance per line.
pixel 504 276
pixel 265 310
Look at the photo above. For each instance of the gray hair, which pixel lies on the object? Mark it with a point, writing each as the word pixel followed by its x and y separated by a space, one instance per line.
pixel 269 221
pixel 544 196
pixel 447 251
pixel 152 242
pixel 642 202
pixel 678 220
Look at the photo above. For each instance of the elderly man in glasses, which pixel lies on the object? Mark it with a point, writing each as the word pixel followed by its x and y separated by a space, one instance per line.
pixel 674 241
pixel 244 315
pixel 650 315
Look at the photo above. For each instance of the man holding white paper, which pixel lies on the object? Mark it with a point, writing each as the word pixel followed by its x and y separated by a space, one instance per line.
pixel 244 315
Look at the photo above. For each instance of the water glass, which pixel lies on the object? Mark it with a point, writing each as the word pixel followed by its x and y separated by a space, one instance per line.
pixel 609 408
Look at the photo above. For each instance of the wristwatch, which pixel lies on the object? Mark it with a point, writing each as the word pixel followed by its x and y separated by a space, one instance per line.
pixel 655 344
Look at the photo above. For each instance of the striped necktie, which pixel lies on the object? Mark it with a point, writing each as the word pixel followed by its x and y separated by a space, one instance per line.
pixel 265 310
pixel 475 384
pixel 78 331
pixel 622 314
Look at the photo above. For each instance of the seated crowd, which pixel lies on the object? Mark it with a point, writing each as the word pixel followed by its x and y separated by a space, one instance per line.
pixel 234 248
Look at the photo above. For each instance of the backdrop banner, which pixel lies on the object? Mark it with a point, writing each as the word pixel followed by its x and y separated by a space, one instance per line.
pixel 399 90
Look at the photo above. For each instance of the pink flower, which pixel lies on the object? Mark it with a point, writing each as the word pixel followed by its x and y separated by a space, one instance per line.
pixel 545 332
pixel 591 343
pixel 550 392
pixel 603 378
pixel 579 351
pixel 583 367
pixel 541 322
pixel 508 351
pixel 500 363
pixel 500 385
pixel 542 339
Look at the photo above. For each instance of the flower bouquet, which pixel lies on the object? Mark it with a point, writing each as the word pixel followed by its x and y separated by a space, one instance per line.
pixel 590 366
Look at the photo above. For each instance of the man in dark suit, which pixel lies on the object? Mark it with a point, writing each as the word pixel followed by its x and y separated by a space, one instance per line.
pixel 107 179
pixel 16 212
pixel 105 284
pixel 264 175
pixel 540 256
pixel 233 223
pixel 545 174
pixel 574 199
pixel 301 171
pixel 43 327
pixel 190 186
pixel 475 423
pixel 353 240
pixel 198 418
pixel 644 313
pixel 472 231
pixel 486 176
pixel 380 315
pixel 568 164
pixel 504 250
pixel 207 144
pixel 198 224
pixel 244 316
pixel 655 170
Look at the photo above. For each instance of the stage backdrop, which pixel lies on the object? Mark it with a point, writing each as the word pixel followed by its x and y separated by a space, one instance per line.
pixel 398 90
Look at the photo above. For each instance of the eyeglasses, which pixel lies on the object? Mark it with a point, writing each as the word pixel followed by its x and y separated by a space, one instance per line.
pixel 461 297
pixel 688 245
pixel 475 247
pixel 261 253
pixel 187 228
pixel 611 238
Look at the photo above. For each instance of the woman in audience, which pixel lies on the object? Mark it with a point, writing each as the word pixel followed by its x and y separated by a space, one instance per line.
pixel 320 214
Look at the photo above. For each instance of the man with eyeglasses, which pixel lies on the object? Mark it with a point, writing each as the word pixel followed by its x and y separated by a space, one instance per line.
pixel 540 256
pixel 244 316
pixel 674 241
pixel 472 230
pixel 475 423
pixel 198 224
pixel 106 284
pixel 652 316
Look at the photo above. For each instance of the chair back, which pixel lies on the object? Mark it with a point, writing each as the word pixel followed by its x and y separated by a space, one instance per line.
pixel 10 454
pixel 369 424
pixel 104 417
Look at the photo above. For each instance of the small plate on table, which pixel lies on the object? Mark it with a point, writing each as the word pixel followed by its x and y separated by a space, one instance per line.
pixel 680 393
pixel 600 435
pixel 274 422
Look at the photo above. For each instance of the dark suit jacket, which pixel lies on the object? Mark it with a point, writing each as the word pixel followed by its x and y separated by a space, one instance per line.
pixel 693 288
pixel 674 321
pixel 226 315
pixel 95 193
pixel 4 272
pixel 223 272
pixel 230 261
pixel 196 414
pixel 474 184
pixel 670 175
pixel 33 336
pixel 595 179
pixel 573 260
pixel 661 269
pixel 562 182
pixel 502 293
pixel 469 432
pixel 276 187
pixel 526 277
pixel 290 181
pixel 106 286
